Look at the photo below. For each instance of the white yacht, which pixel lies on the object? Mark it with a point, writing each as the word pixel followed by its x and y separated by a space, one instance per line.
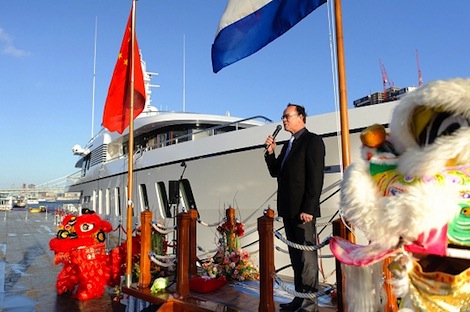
pixel 209 162
pixel 32 200
pixel 6 202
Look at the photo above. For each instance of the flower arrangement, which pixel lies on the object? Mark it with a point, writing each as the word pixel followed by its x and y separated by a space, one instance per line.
pixel 231 261
pixel 236 265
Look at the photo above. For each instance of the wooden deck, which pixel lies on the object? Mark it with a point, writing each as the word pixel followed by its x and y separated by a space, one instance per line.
pixel 28 276
pixel 243 296
pixel 234 296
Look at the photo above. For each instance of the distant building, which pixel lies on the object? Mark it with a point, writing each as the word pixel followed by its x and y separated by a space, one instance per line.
pixel 391 94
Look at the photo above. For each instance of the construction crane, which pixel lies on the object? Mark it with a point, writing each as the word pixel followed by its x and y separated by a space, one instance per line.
pixel 420 77
pixel 385 81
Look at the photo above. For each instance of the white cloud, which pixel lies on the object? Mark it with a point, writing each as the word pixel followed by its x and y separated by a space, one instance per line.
pixel 7 47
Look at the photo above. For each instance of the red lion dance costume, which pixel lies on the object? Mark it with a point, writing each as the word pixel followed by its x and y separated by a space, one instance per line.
pixel 80 247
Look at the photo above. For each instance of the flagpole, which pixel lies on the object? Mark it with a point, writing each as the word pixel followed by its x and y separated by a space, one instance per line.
pixel 343 101
pixel 130 159
pixel 345 140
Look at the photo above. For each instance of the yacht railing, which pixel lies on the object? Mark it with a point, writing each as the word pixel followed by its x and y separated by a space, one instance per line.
pixel 73 178
pixel 209 131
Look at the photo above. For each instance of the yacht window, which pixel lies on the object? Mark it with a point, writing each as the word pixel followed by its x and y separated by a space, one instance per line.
pixel 86 199
pixel 117 202
pixel 86 164
pixel 93 201
pixel 162 200
pixel 100 201
pixel 144 200
pixel 107 201
pixel 168 136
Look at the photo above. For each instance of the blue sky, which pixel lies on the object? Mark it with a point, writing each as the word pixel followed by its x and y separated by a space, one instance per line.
pixel 46 66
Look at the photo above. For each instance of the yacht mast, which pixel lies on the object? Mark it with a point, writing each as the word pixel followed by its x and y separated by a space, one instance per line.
pixel 94 80
pixel 184 73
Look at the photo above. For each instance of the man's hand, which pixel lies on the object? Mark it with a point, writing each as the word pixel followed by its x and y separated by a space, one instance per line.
pixel 271 143
pixel 305 217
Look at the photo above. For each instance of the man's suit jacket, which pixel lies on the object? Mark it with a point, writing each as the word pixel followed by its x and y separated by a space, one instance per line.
pixel 300 180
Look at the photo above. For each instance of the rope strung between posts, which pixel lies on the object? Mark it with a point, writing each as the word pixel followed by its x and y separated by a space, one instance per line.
pixel 325 242
pixel 219 223
pixel 207 251
pixel 206 224
pixel 254 230
pixel 155 258
pixel 286 252
pixel 318 224
pixel 124 230
pixel 288 289
pixel 161 229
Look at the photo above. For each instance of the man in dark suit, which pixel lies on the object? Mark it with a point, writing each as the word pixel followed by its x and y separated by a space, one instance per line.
pixel 299 170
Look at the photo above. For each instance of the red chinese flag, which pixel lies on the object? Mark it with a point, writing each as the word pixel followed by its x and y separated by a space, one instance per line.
pixel 116 115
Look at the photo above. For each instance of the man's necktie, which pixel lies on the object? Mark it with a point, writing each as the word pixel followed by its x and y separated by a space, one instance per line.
pixel 289 146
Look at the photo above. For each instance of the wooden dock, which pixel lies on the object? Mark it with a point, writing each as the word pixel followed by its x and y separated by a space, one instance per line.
pixel 28 276
pixel 241 297
pixel 229 298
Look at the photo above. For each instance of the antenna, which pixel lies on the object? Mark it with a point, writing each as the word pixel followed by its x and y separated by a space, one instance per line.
pixel 94 79
pixel 184 73
pixel 420 76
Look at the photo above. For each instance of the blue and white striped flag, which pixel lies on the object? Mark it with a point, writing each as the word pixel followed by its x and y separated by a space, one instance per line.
pixel 248 25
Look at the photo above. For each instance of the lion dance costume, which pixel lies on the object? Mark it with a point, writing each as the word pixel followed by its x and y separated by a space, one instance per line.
pixel 87 267
pixel 410 196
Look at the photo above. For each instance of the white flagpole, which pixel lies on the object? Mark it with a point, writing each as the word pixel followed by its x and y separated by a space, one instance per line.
pixel 130 175
pixel 94 80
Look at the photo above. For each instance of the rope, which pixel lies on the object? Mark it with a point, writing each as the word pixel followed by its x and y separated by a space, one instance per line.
pixel 163 257
pixel 279 219
pixel 248 226
pixel 206 251
pixel 325 242
pixel 162 230
pixel 206 224
pixel 260 207
pixel 324 224
pixel 286 252
pixel 153 258
pixel 161 226
pixel 124 230
pixel 288 289
pixel 251 232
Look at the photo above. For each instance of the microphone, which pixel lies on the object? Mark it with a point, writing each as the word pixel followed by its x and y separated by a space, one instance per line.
pixel 276 131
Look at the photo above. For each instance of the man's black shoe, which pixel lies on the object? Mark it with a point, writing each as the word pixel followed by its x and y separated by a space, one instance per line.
pixel 293 305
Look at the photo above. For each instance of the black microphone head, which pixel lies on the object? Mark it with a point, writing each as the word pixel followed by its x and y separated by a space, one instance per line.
pixel 276 131
pixel 278 128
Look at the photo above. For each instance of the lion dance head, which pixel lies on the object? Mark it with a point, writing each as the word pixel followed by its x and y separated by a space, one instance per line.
pixel 410 196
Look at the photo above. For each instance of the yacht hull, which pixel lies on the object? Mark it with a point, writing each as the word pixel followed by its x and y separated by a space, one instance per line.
pixel 223 170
